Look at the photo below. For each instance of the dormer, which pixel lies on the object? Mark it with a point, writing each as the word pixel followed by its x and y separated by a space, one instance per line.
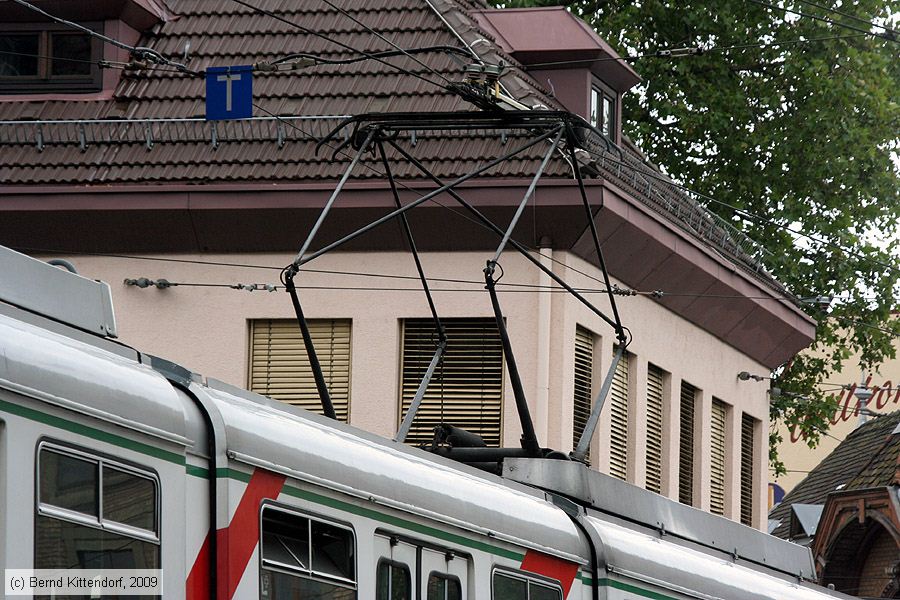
pixel 566 57
pixel 40 58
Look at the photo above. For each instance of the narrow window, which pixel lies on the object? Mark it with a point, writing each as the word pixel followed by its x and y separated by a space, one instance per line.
pixel 609 115
pixel 717 458
pixel 595 107
pixel 392 581
pixel 618 441
pixel 466 389
pixel 279 366
pixel 509 586
pixel 305 558
pixel 584 374
pixel 748 426
pixel 443 587
pixel 94 513
pixel 654 428
pixel 686 445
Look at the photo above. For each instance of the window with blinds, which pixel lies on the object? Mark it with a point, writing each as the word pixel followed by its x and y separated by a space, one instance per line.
pixel 584 373
pixel 717 458
pixel 654 428
pixel 748 425
pixel 686 445
pixel 279 366
pixel 467 387
pixel 618 405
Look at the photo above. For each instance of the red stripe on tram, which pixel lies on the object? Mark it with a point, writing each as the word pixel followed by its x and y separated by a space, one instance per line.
pixel 236 542
pixel 552 567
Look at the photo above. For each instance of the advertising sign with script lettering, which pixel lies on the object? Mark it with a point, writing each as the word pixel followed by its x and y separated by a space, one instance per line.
pixel 885 387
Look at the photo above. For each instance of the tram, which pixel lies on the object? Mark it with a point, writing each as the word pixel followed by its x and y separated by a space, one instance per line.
pixel 114 459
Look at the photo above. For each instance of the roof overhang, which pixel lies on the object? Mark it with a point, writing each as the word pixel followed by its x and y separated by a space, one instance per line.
pixel 641 248
pixel 138 14
pixel 535 36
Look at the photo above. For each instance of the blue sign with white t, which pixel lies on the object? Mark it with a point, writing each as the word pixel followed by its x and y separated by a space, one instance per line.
pixel 229 92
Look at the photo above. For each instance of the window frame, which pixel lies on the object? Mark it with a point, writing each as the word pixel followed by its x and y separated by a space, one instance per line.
pixel 310 573
pixel 383 560
pixel 445 577
pixel 601 92
pixel 45 82
pixel 79 518
pixel 528 577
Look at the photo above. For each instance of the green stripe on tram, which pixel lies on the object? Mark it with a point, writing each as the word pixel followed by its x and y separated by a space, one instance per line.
pixel 91 432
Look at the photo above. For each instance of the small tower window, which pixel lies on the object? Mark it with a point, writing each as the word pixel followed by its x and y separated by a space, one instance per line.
pixel 603 111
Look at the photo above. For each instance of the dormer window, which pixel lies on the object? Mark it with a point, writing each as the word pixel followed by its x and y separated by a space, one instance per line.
pixel 41 58
pixel 603 111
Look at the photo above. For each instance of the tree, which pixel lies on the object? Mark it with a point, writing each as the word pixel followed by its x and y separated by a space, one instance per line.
pixel 803 135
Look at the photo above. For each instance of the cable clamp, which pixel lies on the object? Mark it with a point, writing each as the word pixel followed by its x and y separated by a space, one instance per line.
pixel 618 291
pixel 677 52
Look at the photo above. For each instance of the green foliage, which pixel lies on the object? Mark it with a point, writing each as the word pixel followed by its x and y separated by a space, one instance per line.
pixel 801 134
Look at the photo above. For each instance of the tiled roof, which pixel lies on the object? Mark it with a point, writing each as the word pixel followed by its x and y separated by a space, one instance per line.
pixel 220 32
pixel 866 458
pixel 225 33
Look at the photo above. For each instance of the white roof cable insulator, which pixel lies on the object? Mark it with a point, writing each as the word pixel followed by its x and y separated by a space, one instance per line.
pixel 676 52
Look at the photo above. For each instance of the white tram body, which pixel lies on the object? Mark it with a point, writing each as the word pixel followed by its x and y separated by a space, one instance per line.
pixel 114 459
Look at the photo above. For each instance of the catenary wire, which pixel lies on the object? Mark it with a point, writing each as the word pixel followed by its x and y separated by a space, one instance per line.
pixel 883 36
pixel 528 287
pixel 696 51
pixel 140 51
pixel 385 39
pixel 849 16
pixel 386 54
pixel 323 36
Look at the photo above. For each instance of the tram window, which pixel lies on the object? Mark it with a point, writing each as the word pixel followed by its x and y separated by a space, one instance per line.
pixel 392 581
pixel 69 482
pixel 513 587
pixel 129 499
pixel 74 529
pixel 443 587
pixel 304 557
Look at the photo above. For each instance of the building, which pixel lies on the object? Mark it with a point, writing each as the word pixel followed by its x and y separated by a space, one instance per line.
pixel 123 164
pixel 884 384
pixel 846 511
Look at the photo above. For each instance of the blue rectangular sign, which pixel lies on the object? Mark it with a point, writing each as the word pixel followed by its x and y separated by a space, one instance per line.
pixel 229 92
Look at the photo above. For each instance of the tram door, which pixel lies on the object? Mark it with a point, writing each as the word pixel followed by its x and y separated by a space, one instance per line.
pixel 444 575
pixel 406 570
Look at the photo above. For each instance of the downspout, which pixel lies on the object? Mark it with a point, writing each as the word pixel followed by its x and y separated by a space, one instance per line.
pixel 542 401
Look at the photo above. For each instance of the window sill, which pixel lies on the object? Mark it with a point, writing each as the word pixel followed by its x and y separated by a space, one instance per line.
pixel 48 96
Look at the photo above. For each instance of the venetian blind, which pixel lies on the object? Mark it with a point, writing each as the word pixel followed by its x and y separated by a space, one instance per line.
pixel 686 445
pixel 654 428
pixel 466 389
pixel 747 444
pixel 584 372
pixel 279 366
pixel 717 458
pixel 618 439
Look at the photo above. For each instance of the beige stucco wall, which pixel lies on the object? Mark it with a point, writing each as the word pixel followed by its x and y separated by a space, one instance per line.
pixel 206 329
